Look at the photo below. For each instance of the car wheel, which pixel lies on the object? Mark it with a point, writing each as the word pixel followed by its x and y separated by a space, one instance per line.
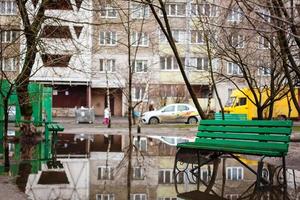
pixel 192 120
pixel 153 120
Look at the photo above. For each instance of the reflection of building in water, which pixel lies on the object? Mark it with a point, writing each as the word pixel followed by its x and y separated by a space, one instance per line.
pixel 98 175
pixel 71 182
pixel 153 164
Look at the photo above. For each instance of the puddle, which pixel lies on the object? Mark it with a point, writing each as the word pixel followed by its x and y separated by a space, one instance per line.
pixel 87 171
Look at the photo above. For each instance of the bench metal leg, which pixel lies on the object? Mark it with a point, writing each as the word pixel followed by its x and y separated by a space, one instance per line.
pixel 284 178
pixel 259 173
pixel 199 175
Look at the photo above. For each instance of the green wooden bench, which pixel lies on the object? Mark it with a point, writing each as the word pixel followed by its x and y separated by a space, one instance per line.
pixel 265 138
pixel 227 116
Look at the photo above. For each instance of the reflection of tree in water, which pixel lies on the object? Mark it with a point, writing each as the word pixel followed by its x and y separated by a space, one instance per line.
pixel 23 174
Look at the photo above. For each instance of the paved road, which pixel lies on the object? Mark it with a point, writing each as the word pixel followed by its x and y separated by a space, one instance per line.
pixel 120 126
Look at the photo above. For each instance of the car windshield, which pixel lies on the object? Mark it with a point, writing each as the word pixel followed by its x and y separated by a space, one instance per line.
pixel 230 101
pixel 168 109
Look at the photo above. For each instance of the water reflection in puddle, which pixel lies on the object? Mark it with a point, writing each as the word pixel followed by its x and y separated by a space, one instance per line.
pixel 88 171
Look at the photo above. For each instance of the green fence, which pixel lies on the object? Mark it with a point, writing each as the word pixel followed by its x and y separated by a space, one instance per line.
pixel 41 99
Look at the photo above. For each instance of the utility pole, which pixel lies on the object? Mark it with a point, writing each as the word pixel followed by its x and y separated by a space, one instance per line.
pixel 188 41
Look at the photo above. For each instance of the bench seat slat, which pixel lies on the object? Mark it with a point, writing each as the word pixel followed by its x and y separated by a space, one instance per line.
pixel 262 123
pixel 242 144
pixel 253 151
pixel 237 129
pixel 244 136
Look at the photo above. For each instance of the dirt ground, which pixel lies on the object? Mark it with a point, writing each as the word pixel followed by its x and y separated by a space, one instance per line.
pixel 292 159
pixel 9 190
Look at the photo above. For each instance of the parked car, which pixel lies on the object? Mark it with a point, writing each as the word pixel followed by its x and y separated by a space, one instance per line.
pixel 172 113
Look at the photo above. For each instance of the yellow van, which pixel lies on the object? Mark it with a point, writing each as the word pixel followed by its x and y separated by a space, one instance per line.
pixel 240 103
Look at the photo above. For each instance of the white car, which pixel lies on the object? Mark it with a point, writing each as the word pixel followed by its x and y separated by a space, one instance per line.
pixel 172 113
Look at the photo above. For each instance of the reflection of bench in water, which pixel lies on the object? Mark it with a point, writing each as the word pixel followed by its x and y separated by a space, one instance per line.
pixel 216 138
pixel 195 194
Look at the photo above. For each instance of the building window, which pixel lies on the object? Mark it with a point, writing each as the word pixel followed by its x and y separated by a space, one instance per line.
pixel 175 9
pixel 232 196
pixel 233 69
pixel 9 64
pixel 170 63
pixel 140 144
pixel 105 197
pixel 165 176
pixel 235 15
pixel 162 37
pixel 237 41
pixel 8 7
pixel 139 93
pixel 204 9
pixel 205 175
pixel 264 71
pixel 199 63
pixel 139 11
pixel 108 12
pixel 105 173
pixel 263 43
pixel 107 65
pixel 197 37
pixel 264 14
pixel 179 36
pixel 108 38
pixel 9 36
pixel 234 173
pixel 139 39
pixel 138 173
pixel 138 196
pixel 140 66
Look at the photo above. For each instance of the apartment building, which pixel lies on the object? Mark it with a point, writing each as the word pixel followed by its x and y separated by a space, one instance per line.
pixel 236 49
pixel 64 59
pixel 9 40
pixel 85 52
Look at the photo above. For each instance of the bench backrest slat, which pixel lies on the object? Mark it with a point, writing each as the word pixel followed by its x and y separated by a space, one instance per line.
pixel 218 116
pixel 241 129
pixel 263 123
pixel 263 135
pixel 245 136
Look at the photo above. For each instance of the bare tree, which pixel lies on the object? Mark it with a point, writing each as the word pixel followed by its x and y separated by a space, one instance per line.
pixel 236 44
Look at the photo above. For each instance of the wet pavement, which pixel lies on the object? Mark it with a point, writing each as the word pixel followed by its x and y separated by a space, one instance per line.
pixel 93 160
pixel 120 127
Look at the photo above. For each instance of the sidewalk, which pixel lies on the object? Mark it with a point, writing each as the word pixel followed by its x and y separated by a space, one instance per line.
pixel 119 126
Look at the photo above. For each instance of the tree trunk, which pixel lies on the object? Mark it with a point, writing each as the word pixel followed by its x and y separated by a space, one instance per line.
pixel 5 142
